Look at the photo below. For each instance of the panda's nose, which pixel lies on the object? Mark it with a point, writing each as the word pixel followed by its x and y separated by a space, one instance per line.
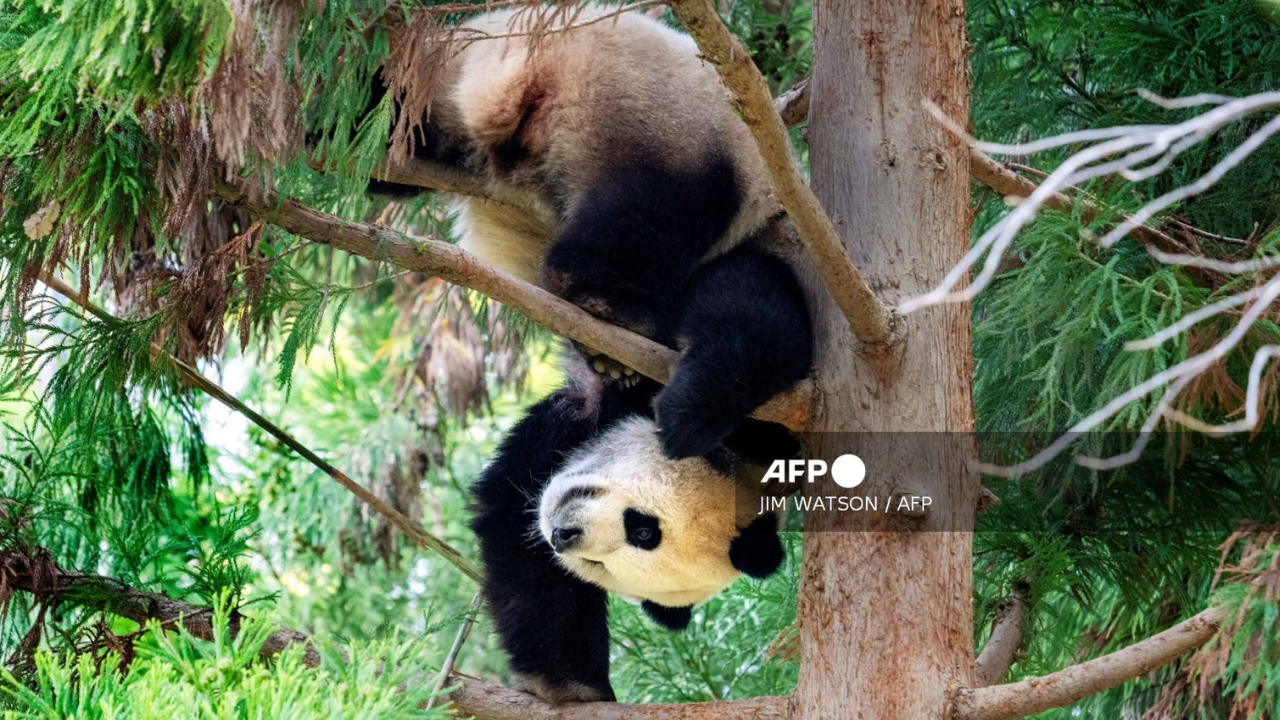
pixel 564 538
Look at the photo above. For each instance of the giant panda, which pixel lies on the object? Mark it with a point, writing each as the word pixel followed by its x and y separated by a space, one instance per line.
pixel 645 204
pixel 646 201
pixel 580 501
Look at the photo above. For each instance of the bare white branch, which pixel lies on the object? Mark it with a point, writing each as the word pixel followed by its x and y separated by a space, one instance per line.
pixel 1136 152
pixel 1180 375
pixel 1205 182
pixel 1252 401
pixel 1186 102
pixel 1191 319
pixel 1133 147
pixel 1228 268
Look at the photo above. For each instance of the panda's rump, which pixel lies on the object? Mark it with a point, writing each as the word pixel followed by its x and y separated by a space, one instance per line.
pixel 509 237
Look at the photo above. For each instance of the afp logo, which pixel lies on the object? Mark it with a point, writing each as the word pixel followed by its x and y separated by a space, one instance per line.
pixel 848 471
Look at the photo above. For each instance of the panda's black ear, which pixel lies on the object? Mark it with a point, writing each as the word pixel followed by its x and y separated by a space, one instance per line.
pixel 757 551
pixel 671 618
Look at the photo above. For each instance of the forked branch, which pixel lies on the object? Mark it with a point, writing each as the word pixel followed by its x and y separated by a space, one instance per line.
pixel 1027 697
pixel 870 319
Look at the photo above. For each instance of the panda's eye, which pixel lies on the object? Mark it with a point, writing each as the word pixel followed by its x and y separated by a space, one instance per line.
pixel 642 529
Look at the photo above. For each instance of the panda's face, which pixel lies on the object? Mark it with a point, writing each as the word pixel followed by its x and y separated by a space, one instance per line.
pixel 621 516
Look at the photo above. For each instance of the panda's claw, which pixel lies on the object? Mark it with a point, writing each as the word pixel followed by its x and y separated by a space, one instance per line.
pixel 608 368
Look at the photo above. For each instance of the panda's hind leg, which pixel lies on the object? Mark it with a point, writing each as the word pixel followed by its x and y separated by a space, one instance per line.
pixel 635 238
pixel 746 336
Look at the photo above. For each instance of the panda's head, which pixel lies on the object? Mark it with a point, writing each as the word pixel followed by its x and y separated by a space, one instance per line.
pixel 670 534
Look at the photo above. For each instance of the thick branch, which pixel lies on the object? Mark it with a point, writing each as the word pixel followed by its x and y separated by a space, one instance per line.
pixel 1015 700
pixel 471 698
pixel 444 178
pixel 487 702
pixel 1002 647
pixel 870 319
pixel 451 263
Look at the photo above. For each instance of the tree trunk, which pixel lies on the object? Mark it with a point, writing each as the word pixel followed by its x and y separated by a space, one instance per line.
pixel 886 614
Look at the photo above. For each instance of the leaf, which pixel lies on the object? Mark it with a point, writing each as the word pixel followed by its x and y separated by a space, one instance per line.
pixel 41 222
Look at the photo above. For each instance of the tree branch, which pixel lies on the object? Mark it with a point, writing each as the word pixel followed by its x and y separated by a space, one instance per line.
pixel 1015 700
pixel 33 573
pixel 870 319
pixel 793 105
pixel 452 264
pixel 997 655
pixel 408 526
pixel 1010 184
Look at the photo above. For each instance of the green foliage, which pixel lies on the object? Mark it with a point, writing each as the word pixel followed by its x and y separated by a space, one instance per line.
pixel 113 123
pixel 730 649
pixel 219 679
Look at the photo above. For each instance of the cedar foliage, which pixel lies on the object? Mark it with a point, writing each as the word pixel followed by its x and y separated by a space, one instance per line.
pixel 116 119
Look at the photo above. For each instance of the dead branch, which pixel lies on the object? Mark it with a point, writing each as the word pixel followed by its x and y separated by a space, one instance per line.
pixel 1002 647
pixel 1135 153
pixel 470 697
pixel 870 319
pixel 793 107
pixel 1012 185
pixel 454 265
pixel 1027 697
pixel 408 526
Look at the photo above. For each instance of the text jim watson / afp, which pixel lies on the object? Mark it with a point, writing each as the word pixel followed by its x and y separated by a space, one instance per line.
pixel 848 471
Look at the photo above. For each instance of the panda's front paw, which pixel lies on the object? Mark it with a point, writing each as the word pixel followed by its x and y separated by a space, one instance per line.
pixel 691 424
pixel 557 693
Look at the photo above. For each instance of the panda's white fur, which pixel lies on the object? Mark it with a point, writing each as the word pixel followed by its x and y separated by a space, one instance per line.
pixel 699 508
pixel 564 99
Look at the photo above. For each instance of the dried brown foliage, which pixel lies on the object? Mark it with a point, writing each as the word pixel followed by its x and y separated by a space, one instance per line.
pixel 251 99
pixel 1250 557
pixel 1215 390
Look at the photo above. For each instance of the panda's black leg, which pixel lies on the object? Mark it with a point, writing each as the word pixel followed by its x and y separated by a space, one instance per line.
pixel 633 239
pixel 746 335
pixel 553 626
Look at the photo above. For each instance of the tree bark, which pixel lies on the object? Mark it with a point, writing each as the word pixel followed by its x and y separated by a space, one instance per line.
pixel 885 614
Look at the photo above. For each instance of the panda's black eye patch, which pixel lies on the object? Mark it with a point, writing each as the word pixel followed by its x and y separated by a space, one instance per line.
pixel 642 529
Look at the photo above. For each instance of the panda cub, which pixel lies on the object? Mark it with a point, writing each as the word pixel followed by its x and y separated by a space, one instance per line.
pixel 646 206
pixel 579 501
pixel 647 199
